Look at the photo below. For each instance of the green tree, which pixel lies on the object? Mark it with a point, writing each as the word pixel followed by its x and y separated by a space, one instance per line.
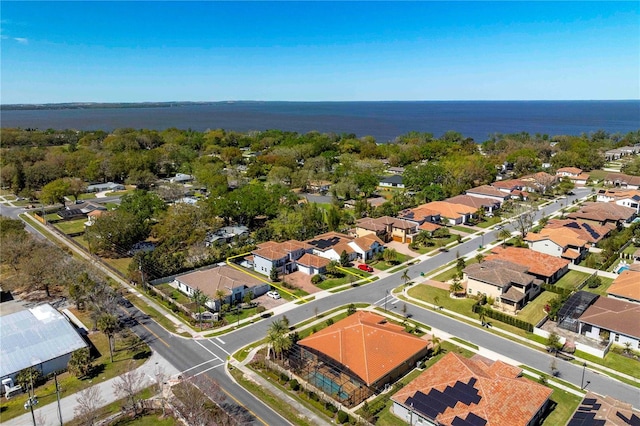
pixel 405 277
pixel 142 204
pixel 456 286
pixel 109 325
pixel 277 338
pixel 116 232
pixel 80 363
pixel 436 347
pixel 390 255
pixel 504 235
pixel 28 376
pixel 55 191
pixel 273 275
pixel 200 300
pixel 351 309
pixel 344 258
pixel 480 257
pixel 76 187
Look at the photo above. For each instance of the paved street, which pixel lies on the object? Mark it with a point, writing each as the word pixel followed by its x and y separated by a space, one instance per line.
pixel 208 356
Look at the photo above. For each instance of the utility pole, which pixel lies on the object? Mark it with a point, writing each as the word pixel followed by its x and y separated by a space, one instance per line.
pixel 31 402
pixel 55 378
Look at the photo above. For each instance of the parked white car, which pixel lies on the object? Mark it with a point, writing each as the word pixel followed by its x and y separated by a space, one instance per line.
pixel 273 294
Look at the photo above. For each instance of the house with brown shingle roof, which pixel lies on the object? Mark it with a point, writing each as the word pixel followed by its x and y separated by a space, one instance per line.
pixel 621 180
pixel 626 287
pixel 477 391
pixel 542 266
pixel 489 205
pixel 387 228
pixel 488 191
pixel 232 283
pixel 282 257
pixel 613 316
pixel 507 283
pixel 604 213
pixel 366 347
pixel 538 182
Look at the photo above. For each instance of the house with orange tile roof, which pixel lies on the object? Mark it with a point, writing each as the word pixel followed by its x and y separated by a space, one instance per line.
pixel 488 191
pixel 451 214
pixel 363 349
pixel 507 283
pixel 615 317
pixel 542 266
pixel 538 182
pixel 604 213
pixel 476 391
pixel 626 287
pixel 232 283
pixel 590 232
pixel 420 214
pixel 559 242
pixel 574 174
pixel 387 228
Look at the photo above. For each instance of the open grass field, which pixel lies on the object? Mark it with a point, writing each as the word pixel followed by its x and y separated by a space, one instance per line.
pixel 124 358
pixel 428 294
pixel 533 312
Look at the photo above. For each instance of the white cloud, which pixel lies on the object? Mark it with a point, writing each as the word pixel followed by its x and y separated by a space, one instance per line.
pixel 21 40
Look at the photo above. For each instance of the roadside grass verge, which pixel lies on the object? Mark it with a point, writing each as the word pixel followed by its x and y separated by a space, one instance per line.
pixel 615 362
pixel 116 407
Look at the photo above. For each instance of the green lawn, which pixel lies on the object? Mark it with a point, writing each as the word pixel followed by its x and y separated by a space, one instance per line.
pixel 597 174
pixel 173 293
pixel 449 274
pixel 533 312
pixel 489 222
pixel 602 290
pixel 121 264
pixel 616 362
pixel 630 250
pixel 566 405
pixel 427 294
pixel 464 229
pixel 87 196
pixel 70 384
pixel 572 279
pixel 71 226
pixel 383 266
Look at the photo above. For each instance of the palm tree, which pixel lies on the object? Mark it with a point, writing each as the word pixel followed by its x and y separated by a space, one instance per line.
pixel 200 300
pixel 436 301
pixel 277 337
pixel 108 324
pixel 436 341
pixel 480 257
pixel 455 286
pixel 504 235
pixel 482 316
pixel 405 277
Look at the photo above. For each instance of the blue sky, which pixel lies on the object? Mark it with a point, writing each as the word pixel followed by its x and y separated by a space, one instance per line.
pixel 318 51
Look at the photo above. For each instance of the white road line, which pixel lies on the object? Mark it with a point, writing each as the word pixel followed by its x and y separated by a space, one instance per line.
pixel 380 301
pixel 219 347
pixel 210 368
pixel 208 350
pixel 220 340
pixel 201 364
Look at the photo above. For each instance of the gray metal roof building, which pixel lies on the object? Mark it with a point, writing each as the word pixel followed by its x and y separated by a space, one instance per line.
pixel 38 337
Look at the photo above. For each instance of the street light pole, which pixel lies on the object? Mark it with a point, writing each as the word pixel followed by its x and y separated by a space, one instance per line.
pixel 584 367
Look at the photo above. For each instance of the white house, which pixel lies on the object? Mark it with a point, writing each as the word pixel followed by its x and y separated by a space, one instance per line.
pixel 394 181
pixel 613 320
pixel 366 247
pixel 181 178
pixel 287 257
pixel 487 191
pixel 39 337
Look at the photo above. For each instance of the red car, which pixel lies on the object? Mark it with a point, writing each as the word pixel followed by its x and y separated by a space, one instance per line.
pixel 364 267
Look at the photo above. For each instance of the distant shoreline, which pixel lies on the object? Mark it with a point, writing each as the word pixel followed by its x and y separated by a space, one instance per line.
pixel 171 104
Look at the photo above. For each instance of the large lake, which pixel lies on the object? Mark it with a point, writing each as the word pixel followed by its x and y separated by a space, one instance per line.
pixel 383 120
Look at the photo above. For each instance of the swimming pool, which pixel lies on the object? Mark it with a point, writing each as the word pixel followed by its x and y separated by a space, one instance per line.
pixel 622 268
pixel 323 382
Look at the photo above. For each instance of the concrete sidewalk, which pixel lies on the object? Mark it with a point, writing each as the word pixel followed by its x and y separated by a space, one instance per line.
pixel 47 415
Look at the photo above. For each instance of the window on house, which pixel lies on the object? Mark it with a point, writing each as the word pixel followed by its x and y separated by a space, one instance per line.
pixel 617 338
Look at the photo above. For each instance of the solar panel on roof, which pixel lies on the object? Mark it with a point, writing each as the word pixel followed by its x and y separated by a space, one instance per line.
pixel 475 420
pixel 457 421
pixel 589 401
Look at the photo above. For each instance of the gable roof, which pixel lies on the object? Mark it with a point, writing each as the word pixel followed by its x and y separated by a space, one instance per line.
pixel 538 263
pixel 614 315
pixel 561 236
pixel 622 178
pixel 626 285
pixel 572 170
pixel 382 223
pixel 509 184
pixel 272 250
pixel 419 213
pixel 34 336
pixel 495 390
pixel 366 344
pixel 366 242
